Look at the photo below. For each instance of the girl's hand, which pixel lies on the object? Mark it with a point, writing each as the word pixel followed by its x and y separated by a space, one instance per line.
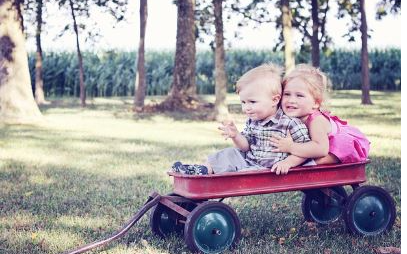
pixel 281 167
pixel 283 145
pixel 228 129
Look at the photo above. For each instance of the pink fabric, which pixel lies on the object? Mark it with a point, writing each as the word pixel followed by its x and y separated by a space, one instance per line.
pixel 346 142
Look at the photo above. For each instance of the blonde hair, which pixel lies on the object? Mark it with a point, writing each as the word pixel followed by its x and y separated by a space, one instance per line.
pixel 266 75
pixel 318 83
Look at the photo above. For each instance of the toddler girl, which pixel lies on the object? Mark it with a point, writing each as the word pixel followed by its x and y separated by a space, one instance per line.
pixel 332 139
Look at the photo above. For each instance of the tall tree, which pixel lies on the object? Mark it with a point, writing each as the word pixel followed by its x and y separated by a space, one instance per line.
pixel 221 110
pixel 257 12
pixel 315 32
pixel 39 82
pixel 309 19
pixel 140 83
pixel 183 88
pixel 17 103
pixel 364 56
pixel 82 91
pixel 81 8
pixel 33 13
pixel 356 10
pixel 287 35
pixel 295 15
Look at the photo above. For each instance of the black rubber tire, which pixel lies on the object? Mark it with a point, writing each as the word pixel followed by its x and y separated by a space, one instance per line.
pixel 328 212
pixel 369 210
pixel 211 214
pixel 164 221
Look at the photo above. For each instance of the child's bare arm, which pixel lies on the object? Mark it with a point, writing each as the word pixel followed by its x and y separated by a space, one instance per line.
pixel 316 148
pixel 282 167
pixel 229 130
pixel 241 142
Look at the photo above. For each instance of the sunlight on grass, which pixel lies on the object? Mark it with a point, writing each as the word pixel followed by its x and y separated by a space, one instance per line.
pixel 381 147
pixel 54 239
pixel 33 156
pixel 83 222
pixel 134 250
pixel 18 221
pixel 40 180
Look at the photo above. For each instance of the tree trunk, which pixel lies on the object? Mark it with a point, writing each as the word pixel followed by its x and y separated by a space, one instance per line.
pixel 19 6
pixel 221 110
pixel 364 57
pixel 140 85
pixel 183 89
pixel 17 103
pixel 39 83
pixel 315 32
pixel 287 35
pixel 82 91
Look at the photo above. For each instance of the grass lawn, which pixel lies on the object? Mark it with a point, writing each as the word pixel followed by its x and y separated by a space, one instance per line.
pixel 81 175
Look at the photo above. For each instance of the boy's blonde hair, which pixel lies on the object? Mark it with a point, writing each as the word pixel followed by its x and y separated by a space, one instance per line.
pixel 267 75
pixel 317 81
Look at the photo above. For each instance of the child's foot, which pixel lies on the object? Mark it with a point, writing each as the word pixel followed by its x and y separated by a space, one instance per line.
pixel 196 169
pixel 189 169
pixel 178 168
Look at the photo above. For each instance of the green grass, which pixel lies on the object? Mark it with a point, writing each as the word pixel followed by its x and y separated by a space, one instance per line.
pixel 83 173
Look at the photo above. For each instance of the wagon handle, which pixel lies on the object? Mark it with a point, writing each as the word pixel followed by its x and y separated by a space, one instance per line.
pixel 152 200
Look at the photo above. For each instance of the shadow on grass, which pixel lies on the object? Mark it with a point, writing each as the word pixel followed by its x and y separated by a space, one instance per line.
pixel 124 110
pixel 385 172
pixel 68 143
pixel 121 108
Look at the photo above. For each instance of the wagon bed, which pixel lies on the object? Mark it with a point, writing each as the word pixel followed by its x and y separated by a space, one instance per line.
pixel 264 181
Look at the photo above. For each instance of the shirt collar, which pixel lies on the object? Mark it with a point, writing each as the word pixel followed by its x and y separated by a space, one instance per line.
pixel 274 119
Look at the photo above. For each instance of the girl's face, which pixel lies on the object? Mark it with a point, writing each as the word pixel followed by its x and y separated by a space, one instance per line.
pixel 297 99
pixel 258 104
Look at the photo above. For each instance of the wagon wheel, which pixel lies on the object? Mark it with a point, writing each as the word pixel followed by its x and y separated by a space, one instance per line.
pixel 320 208
pixel 369 210
pixel 212 227
pixel 164 221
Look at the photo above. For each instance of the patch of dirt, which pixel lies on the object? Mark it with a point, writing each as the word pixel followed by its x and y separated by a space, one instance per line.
pixel 186 107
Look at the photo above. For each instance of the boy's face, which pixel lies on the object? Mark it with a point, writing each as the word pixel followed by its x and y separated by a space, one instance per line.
pixel 257 103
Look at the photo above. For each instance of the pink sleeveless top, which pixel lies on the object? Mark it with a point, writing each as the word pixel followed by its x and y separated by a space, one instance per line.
pixel 346 142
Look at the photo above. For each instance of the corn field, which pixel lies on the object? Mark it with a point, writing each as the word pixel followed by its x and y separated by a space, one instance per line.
pixel 112 73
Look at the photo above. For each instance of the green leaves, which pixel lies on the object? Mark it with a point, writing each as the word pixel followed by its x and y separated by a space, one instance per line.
pixel 384 7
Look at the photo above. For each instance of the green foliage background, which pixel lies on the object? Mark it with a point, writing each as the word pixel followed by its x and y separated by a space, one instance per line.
pixel 112 73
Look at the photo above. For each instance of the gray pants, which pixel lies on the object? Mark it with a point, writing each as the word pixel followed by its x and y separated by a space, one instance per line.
pixel 230 160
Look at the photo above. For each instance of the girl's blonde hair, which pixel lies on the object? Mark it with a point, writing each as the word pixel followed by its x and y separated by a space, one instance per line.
pixel 266 75
pixel 318 83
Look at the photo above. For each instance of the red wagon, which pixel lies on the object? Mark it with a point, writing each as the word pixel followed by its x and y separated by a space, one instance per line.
pixel 211 226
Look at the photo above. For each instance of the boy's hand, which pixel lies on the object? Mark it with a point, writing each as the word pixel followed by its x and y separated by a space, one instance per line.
pixel 283 145
pixel 281 167
pixel 228 129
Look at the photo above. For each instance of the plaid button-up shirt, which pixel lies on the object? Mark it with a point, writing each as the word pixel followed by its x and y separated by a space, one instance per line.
pixel 258 133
